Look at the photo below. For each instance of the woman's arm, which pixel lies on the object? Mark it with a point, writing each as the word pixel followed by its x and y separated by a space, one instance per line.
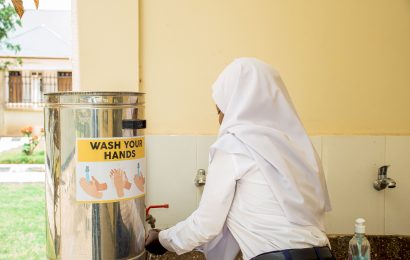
pixel 207 221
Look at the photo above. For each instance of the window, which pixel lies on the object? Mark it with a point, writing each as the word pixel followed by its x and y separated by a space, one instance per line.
pixel 15 84
pixel 26 88
pixel 35 88
pixel 64 80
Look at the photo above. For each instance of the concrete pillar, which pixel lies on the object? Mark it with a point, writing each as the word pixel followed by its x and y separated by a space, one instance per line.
pixel 2 103
pixel 105 56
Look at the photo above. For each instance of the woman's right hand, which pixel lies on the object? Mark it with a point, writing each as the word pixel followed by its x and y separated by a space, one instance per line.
pixel 152 243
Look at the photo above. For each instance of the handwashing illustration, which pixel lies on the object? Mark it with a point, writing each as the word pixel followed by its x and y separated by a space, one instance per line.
pixel 120 181
pixel 139 179
pixel 91 185
pixel 114 184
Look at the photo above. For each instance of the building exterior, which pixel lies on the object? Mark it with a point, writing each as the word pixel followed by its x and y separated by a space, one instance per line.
pixel 45 41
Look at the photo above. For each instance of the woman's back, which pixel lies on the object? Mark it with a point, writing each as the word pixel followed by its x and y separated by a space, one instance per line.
pixel 256 219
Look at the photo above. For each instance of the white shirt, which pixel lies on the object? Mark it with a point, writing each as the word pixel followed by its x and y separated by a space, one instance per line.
pixel 237 196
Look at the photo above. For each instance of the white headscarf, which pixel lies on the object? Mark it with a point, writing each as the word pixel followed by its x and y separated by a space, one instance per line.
pixel 260 121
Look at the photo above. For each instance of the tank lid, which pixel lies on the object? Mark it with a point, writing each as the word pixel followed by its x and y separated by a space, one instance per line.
pixel 94 93
pixel 91 98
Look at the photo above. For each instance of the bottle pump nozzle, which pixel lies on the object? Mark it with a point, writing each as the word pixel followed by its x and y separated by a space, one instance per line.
pixel 359 226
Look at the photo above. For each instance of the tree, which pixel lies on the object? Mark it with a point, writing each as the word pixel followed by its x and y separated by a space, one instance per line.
pixel 8 22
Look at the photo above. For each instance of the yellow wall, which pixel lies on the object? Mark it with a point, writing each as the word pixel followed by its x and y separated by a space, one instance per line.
pixel 106 37
pixel 346 63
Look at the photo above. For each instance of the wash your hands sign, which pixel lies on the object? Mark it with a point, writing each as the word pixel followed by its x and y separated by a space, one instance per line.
pixel 110 169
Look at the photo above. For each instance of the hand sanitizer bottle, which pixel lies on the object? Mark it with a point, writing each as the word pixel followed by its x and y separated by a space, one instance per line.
pixel 359 246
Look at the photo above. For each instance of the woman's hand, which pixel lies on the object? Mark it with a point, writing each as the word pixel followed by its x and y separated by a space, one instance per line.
pixel 152 243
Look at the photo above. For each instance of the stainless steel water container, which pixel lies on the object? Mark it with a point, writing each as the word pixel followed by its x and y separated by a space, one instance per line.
pixel 83 230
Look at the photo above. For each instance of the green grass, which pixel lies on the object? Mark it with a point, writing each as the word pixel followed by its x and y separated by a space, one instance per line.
pixel 22 221
pixel 18 157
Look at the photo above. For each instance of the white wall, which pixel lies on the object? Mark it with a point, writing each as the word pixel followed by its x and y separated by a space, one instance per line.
pixel 36 64
pixel 350 163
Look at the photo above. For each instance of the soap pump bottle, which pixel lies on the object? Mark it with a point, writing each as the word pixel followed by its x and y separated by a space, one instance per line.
pixel 359 246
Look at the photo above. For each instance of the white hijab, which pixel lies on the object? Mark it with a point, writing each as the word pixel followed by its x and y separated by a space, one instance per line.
pixel 260 121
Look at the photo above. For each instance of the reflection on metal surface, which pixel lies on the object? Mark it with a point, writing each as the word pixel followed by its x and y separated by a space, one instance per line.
pixel 98 231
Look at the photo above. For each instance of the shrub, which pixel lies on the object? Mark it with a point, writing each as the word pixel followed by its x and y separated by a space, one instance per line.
pixel 28 148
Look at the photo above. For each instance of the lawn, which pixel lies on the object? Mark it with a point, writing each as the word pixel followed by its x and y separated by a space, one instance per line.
pixel 18 157
pixel 22 221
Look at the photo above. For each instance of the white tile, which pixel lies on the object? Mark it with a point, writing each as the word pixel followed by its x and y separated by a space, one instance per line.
pixel 351 164
pixel 317 143
pixel 171 165
pixel 203 142
pixel 397 201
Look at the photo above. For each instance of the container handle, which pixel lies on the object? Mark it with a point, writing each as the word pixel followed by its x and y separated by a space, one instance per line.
pixel 134 124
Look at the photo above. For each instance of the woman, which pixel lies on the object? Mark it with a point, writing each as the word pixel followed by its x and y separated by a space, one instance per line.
pixel 265 188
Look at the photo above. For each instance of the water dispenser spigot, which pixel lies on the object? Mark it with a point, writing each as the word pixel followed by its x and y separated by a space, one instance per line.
pixel 383 181
pixel 149 218
pixel 200 178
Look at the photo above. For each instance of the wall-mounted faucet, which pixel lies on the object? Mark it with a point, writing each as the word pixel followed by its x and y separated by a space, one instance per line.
pixel 382 180
pixel 200 178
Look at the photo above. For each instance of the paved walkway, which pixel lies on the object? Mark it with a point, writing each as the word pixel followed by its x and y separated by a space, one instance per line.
pixel 15 173
pixel 8 143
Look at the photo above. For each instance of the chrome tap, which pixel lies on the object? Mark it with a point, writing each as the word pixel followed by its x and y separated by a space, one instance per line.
pixel 382 180
pixel 200 178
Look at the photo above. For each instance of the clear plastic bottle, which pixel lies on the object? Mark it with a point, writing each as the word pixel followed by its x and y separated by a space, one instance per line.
pixel 359 246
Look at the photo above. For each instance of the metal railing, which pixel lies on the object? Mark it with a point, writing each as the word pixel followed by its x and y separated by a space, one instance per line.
pixel 26 89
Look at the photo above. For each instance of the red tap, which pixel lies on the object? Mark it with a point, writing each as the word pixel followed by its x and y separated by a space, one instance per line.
pixel 149 218
pixel 155 207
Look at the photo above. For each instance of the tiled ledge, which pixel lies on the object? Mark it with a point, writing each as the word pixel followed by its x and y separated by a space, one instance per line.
pixel 382 248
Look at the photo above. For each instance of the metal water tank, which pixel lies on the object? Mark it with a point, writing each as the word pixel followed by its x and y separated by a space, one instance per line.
pixel 95 168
